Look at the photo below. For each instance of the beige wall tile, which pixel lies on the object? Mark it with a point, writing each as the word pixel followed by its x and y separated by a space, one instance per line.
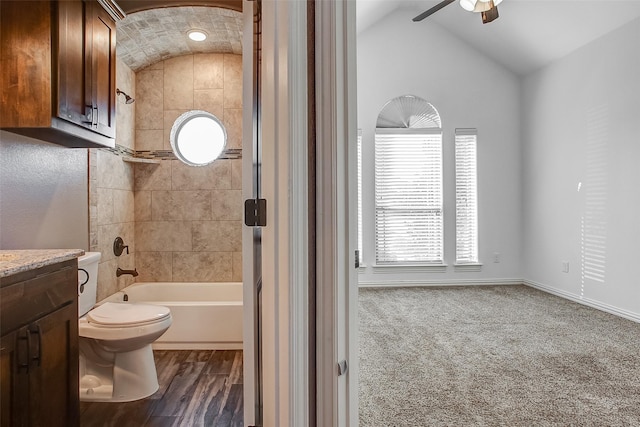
pixel 154 266
pixel 236 174
pixel 202 266
pixel 178 83
pixel 232 81
pixel 217 236
pixel 128 234
pixel 149 139
pixel 112 172
pixel 105 206
pixel 123 206
pixel 125 113
pixel 153 176
pixel 149 99
pixel 216 175
pixel 163 236
pixel 208 71
pixel 107 280
pixel 237 267
pixel 226 205
pixel 210 100
pixel 233 124
pixel 170 117
pixel 181 205
pixel 106 235
pixel 93 241
pixel 142 205
pixel 184 222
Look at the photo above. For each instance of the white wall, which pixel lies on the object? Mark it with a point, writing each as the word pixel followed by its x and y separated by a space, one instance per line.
pixel 585 102
pixel 469 90
pixel 43 195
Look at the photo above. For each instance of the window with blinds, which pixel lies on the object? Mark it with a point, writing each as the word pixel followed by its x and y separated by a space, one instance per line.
pixel 466 197
pixel 408 193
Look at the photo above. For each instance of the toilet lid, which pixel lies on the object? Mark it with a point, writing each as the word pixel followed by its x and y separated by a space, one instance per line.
pixel 116 313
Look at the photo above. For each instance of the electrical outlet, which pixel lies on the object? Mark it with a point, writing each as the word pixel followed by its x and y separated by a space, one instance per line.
pixel 496 257
pixel 565 266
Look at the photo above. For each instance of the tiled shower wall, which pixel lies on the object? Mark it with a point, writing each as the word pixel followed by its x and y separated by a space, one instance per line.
pixel 188 219
pixel 111 198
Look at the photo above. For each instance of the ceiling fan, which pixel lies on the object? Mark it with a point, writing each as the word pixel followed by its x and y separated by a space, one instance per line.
pixel 488 9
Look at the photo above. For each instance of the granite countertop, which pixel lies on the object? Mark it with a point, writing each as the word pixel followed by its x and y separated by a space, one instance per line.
pixel 17 261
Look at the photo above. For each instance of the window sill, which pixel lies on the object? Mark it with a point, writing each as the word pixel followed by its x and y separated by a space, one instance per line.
pixel 409 268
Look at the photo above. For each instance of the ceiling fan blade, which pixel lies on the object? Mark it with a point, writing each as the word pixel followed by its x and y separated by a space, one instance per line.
pixel 433 10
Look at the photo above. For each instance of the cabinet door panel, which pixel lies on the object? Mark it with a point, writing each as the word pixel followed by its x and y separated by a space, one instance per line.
pixel 102 47
pixel 25 68
pixel 72 99
pixel 13 383
pixel 54 369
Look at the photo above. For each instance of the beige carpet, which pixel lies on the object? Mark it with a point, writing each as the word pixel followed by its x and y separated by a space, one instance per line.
pixel 494 356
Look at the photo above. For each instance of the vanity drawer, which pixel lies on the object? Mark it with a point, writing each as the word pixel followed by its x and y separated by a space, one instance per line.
pixel 27 296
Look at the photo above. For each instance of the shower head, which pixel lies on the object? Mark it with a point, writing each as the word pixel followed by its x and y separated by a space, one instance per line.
pixel 127 98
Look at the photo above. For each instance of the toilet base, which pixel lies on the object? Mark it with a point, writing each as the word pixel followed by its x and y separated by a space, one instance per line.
pixel 131 376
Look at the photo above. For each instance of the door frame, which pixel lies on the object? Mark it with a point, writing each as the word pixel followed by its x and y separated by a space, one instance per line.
pixel 337 296
pixel 285 238
pixel 284 126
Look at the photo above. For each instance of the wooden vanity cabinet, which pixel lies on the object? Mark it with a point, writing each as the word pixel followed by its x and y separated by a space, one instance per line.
pixel 39 347
pixel 58 71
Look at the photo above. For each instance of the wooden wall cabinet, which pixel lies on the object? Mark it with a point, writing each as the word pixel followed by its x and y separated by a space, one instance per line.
pixel 58 71
pixel 39 384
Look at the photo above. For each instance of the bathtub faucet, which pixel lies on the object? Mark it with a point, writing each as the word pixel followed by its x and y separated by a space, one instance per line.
pixel 120 272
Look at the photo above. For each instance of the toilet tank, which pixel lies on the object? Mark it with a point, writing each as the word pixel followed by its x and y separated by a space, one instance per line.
pixel 87 281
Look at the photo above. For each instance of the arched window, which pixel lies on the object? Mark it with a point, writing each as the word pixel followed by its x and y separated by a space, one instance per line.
pixel 408 183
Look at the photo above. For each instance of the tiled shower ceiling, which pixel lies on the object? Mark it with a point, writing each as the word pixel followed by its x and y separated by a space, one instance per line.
pixel 149 36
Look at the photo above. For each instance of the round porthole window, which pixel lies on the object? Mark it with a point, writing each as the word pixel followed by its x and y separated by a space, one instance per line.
pixel 198 138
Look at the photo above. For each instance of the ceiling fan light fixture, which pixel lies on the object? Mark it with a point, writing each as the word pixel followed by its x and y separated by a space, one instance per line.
pixel 488 8
pixel 468 5
pixel 490 15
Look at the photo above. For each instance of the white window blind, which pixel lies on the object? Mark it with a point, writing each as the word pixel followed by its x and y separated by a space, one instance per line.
pixel 359 196
pixel 408 190
pixel 466 197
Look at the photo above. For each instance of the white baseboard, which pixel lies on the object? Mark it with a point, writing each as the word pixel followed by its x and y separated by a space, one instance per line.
pixel 635 317
pixel 585 301
pixel 431 283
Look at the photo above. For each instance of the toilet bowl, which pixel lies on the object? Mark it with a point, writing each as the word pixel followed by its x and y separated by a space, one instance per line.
pixel 116 359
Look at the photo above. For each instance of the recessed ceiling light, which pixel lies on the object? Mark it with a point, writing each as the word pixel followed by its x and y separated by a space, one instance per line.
pixel 197 35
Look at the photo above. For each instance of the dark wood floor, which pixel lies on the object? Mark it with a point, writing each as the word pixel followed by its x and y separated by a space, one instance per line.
pixel 197 388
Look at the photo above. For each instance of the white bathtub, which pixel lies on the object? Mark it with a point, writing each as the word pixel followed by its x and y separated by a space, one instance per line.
pixel 206 316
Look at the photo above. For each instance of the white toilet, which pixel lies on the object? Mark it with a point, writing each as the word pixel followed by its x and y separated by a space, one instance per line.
pixel 116 360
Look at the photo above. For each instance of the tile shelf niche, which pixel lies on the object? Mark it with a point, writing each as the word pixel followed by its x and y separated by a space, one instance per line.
pixel 140 160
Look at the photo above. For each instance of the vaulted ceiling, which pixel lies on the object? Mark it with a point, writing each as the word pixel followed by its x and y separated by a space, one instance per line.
pixel 528 35
pixel 150 36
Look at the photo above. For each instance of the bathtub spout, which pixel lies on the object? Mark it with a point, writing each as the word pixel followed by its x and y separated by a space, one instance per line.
pixel 120 272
